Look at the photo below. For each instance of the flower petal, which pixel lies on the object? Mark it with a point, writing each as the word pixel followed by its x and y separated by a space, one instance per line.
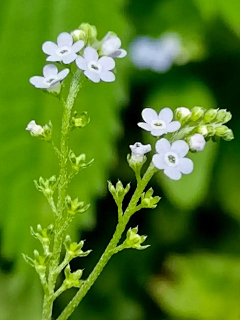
pixel 158 132
pixel 77 46
pixel 94 77
pixel 144 126
pixel 173 173
pixel 81 63
pixel 122 53
pixel 69 58
pixel 162 146
pixel 49 47
pixel 62 74
pixel 50 70
pixel 185 165
pixel 107 63
pixel 166 115
pixel 149 115
pixel 65 39
pixel 107 76
pixel 38 82
pixel 90 54
pixel 111 45
pixel 180 147
pixel 158 161
pixel 54 58
pixel 173 126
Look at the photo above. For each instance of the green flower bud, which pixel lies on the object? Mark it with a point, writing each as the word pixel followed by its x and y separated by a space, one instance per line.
pixel 47 132
pixel 44 236
pixel 225 133
pixel 202 130
pixel 47 187
pixel 119 192
pixel 182 114
pixel 197 113
pixel 80 121
pixel 223 116
pixel 90 33
pixel 72 279
pixel 134 240
pixel 211 130
pixel 78 35
pixel 74 249
pixel 147 201
pixel 75 207
pixel 79 162
pixel 210 115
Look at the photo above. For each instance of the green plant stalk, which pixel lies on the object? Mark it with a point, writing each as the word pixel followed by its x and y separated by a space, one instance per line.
pixel 59 231
pixel 111 248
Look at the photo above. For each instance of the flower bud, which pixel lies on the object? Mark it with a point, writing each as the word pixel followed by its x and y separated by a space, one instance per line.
pixel 47 187
pixel 134 240
pixel 196 142
pixel 210 115
pixel 90 33
pixel 80 121
pixel 75 207
pixel 72 279
pixel 147 201
pixel 78 35
pixel 74 249
pixel 202 130
pixel 137 159
pixel 223 116
pixel 182 114
pixel 197 113
pixel 225 133
pixel 79 162
pixel 119 192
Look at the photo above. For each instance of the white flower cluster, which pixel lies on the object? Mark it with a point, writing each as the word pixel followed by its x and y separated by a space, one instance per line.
pixel 169 157
pixel 97 65
pixel 156 54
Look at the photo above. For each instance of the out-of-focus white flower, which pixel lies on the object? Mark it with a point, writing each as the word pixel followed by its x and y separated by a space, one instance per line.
pixel 158 124
pixel 156 54
pixel 34 128
pixel 111 46
pixel 51 78
pixel 64 50
pixel 94 68
pixel 197 142
pixel 170 158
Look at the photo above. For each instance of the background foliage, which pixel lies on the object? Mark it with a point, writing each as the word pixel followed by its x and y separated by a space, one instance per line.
pixel 192 269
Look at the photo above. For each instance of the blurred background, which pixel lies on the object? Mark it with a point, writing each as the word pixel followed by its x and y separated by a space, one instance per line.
pixel 181 53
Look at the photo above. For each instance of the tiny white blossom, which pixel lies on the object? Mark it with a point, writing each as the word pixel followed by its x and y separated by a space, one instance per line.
pixel 184 112
pixel 158 124
pixel 51 78
pixel 94 68
pixel 34 128
pixel 138 151
pixel 65 50
pixel 170 158
pixel 197 142
pixel 111 46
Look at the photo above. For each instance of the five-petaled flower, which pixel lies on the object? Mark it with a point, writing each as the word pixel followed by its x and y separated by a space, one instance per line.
pixel 50 79
pixel 170 158
pixel 158 124
pixel 64 50
pixel 111 46
pixel 34 128
pixel 94 68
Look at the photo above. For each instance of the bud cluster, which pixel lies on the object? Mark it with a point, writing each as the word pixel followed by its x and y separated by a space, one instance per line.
pixel 74 206
pixel 74 249
pixel 79 163
pixel 80 121
pixel 47 187
pixel 119 191
pixel 148 201
pixel 134 240
pixel 85 32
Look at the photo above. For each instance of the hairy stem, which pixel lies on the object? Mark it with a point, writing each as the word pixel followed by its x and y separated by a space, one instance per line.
pixel 110 250
pixel 62 188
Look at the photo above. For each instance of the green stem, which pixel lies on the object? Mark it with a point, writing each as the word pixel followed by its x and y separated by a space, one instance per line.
pixel 110 250
pixel 62 188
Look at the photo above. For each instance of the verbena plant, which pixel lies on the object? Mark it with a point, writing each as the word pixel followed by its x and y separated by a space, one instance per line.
pixel 176 134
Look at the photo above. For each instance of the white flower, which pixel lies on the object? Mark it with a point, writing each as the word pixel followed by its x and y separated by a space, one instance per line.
pixel 64 50
pixel 51 78
pixel 111 46
pixel 170 158
pixel 139 149
pixel 34 128
pixel 197 142
pixel 94 68
pixel 158 124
